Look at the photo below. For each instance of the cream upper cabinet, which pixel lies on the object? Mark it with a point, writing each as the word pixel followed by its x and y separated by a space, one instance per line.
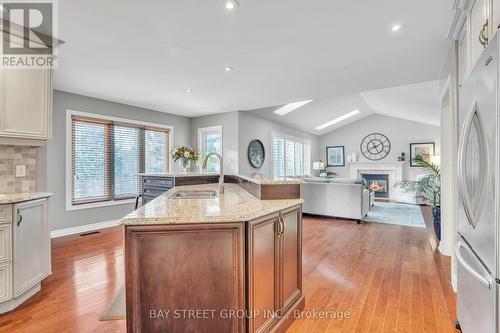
pixel 26 103
pixel 478 29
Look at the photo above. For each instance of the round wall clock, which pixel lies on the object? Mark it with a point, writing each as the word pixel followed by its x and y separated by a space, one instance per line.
pixel 375 146
pixel 256 153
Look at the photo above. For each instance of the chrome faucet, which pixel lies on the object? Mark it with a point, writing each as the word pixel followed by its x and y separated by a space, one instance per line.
pixel 221 164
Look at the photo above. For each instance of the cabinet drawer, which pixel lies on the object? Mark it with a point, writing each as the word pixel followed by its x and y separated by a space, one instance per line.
pixel 181 181
pixel 5 242
pixel 5 213
pixel 5 281
pixel 154 192
pixel 158 182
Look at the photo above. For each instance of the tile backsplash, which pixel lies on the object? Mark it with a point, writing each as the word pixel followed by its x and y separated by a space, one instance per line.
pixel 10 156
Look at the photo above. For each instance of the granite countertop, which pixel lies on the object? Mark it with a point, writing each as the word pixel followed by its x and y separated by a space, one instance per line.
pixel 256 178
pixel 181 174
pixel 235 205
pixel 20 197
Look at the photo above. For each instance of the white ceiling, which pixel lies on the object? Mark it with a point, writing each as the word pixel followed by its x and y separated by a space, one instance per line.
pixel 148 53
pixel 417 102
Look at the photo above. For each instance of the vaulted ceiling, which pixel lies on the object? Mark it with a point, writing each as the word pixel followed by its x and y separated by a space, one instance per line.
pixel 149 53
pixel 418 102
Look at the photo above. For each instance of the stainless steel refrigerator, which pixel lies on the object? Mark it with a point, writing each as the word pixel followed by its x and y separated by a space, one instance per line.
pixel 478 179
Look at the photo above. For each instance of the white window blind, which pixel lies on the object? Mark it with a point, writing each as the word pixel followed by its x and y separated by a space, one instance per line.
pixel 156 151
pixel 90 161
pixel 291 156
pixel 210 140
pixel 127 146
pixel 107 157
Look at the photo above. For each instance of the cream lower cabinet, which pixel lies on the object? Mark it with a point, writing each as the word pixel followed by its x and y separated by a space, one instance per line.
pixel 26 103
pixel 31 244
pixel 24 251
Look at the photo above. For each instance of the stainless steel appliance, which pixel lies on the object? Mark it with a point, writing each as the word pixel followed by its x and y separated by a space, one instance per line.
pixel 478 177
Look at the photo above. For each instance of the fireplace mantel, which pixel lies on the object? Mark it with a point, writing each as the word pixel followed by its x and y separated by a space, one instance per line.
pixel 393 169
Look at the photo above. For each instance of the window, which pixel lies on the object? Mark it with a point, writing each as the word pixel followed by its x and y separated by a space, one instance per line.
pixel 291 156
pixel 107 154
pixel 210 140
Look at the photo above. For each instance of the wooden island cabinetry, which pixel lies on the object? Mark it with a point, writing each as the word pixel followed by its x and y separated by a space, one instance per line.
pixel 274 269
pixel 214 273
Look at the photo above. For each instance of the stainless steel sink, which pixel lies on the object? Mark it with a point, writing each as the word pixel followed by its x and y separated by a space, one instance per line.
pixel 194 195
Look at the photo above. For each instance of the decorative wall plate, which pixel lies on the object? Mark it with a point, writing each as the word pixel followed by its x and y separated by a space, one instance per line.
pixel 256 153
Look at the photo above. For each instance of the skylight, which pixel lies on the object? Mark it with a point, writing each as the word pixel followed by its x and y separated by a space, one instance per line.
pixel 290 107
pixel 337 120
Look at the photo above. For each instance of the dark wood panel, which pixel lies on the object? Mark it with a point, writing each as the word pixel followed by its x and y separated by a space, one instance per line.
pixel 263 273
pixel 174 268
pixel 281 191
pixel 291 265
pixel 271 192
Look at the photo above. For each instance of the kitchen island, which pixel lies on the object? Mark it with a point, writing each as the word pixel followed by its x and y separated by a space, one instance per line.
pixel 229 263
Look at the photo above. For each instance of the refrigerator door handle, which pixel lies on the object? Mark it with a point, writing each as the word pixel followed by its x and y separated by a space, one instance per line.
pixel 485 281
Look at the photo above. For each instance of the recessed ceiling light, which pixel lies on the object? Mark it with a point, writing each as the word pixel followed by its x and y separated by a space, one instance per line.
pixel 228 69
pixel 337 120
pixel 396 27
pixel 290 107
pixel 189 91
pixel 230 4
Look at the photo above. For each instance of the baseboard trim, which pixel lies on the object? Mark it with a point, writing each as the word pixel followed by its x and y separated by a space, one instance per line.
pixel 83 228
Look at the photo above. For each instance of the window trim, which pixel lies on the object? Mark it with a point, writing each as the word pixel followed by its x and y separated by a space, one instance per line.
pixel 207 129
pixel 284 136
pixel 69 179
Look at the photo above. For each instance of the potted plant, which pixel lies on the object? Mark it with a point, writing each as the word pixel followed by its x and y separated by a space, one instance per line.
pixel 185 156
pixel 428 189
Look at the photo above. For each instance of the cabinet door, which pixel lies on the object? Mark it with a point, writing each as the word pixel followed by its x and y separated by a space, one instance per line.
pixel 478 18
pixel 31 244
pixel 26 110
pixel 5 242
pixel 5 281
pixel 291 257
pixel 263 272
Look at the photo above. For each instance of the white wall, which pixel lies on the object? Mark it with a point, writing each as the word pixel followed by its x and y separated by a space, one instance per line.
pixel 56 154
pixel 399 131
pixel 229 123
pixel 253 127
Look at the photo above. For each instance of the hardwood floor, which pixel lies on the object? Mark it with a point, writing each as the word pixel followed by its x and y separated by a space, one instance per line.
pixel 385 278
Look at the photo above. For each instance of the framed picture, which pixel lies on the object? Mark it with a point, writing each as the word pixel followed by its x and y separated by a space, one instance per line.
pixel 335 156
pixel 423 150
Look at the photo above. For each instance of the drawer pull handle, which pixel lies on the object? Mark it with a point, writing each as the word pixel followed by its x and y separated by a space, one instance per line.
pixel 20 219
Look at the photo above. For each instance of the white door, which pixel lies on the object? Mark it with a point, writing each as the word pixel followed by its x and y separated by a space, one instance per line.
pixel 477 157
pixel 31 244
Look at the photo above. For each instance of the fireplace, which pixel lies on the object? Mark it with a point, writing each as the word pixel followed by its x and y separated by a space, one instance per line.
pixel 378 183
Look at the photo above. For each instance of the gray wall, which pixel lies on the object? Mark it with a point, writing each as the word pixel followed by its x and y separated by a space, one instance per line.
pixel 56 154
pixel 229 123
pixel 253 127
pixel 399 131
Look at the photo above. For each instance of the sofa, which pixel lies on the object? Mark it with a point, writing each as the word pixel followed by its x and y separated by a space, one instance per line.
pixel 337 197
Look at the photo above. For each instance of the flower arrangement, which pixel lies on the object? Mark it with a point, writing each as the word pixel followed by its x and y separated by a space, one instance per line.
pixel 185 153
